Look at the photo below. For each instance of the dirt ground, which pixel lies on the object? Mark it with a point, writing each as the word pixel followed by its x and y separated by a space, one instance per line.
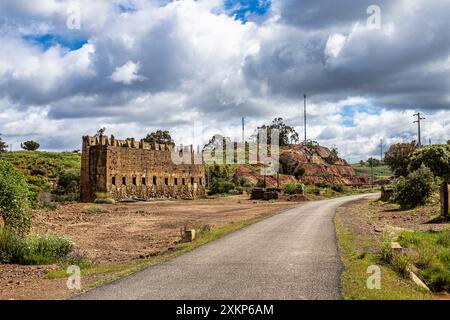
pixel 371 217
pixel 123 232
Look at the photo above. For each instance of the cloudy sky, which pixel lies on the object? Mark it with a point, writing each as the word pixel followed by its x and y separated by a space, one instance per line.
pixel 68 68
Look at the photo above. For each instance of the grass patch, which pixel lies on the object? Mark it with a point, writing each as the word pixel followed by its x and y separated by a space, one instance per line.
pixel 105 201
pixel 381 171
pixel 329 193
pixel 430 253
pixel 32 249
pixel 357 262
pixel 94 210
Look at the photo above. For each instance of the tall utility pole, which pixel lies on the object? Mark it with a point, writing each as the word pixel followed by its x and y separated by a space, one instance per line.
pixel 419 118
pixel 243 130
pixel 381 150
pixel 371 174
pixel 304 115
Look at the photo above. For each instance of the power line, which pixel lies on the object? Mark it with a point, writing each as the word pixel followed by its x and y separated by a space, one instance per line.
pixel 419 118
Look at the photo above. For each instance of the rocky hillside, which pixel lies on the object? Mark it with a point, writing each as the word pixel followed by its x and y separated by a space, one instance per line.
pixel 319 164
pixel 309 164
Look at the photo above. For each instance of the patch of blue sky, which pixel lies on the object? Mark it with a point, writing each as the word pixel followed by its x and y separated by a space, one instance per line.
pixel 46 41
pixel 126 7
pixel 348 112
pixel 242 10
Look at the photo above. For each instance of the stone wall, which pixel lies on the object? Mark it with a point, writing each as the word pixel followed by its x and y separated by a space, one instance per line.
pixel 124 169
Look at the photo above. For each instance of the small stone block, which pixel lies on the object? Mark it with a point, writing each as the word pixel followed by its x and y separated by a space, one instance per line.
pixel 396 247
pixel 189 235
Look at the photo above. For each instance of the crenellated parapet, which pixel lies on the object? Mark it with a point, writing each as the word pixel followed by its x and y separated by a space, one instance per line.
pixel 91 141
pixel 111 141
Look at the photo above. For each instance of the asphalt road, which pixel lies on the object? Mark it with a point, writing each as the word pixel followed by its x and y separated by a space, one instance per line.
pixel 292 255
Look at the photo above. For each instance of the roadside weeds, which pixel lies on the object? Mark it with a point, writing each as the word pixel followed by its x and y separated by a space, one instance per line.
pixel 358 253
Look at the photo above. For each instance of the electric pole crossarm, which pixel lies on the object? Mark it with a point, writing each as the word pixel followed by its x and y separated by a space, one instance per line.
pixel 419 119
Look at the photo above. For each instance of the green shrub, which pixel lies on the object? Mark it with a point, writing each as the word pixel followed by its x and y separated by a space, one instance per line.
pixel 32 249
pixel 49 205
pixel 430 253
pixel 338 188
pixel 400 263
pixel 220 186
pixel 69 182
pixel 14 206
pixel 94 210
pixel 415 189
pixel 45 249
pixel 76 258
pixel 322 184
pixel 385 252
pixel 294 188
pixel 34 193
pixel 242 182
pixel 236 191
pixel 11 246
pixel 104 201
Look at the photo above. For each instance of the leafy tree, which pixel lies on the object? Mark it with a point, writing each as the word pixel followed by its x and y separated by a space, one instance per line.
pixel 335 151
pixel 216 142
pixel 362 163
pixel 333 157
pixel 415 189
pixel 30 145
pixel 217 171
pixel 397 157
pixel 294 188
pixel 313 146
pixel 161 137
pixel 14 205
pixel 69 181
pixel 374 162
pixel 3 145
pixel 287 134
pixel 220 186
pixel 101 132
pixel 436 158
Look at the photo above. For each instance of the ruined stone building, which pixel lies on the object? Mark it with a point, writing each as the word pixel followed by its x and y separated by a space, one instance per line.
pixel 126 169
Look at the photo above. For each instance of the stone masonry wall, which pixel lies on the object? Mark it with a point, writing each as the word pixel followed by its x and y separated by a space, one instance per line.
pixel 130 169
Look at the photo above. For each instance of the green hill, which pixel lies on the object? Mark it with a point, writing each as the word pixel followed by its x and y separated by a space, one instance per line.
pixel 44 171
pixel 381 171
pixel 46 164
